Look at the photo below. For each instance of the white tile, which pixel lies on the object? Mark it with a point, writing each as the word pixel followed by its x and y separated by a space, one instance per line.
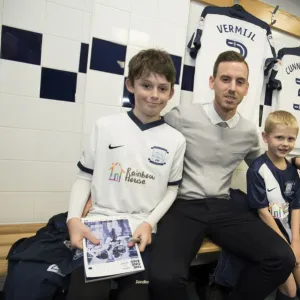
pixel 142 31
pixel 284 39
pixel 95 111
pixel 64 21
pixel 16 208
pixel 104 88
pixel 85 142
pixel 86 28
pixel 165 34
pixel 19 78
pixel 86 5
pixel 60 115
pixel 60 53
pixel 145 8
pixel 58 146
pixel 119 4
pixel 186 97
pixel 28 15
pixel 47 205
pixel 80 88
pixel 178 11
pixel 110 24
pixel 174 101
pixel 37 145
pixel 18 111
pixel 130 53
pixel 27 176
pixel 18 144
pixel 177 95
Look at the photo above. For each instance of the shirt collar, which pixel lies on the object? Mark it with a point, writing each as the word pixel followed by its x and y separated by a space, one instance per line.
pixel 146 126
pixel 215 118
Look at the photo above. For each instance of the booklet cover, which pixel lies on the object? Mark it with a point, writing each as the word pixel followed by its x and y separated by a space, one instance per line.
pixel 112 257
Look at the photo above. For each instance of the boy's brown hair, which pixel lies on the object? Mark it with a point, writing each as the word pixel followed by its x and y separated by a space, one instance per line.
pixel 152 61
pixel 280 117
pixel 228 56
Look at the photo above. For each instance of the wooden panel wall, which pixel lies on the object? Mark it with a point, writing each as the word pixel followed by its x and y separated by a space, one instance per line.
pixel 216 2
pixel 285 21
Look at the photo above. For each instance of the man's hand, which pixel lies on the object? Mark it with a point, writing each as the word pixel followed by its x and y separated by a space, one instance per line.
pixel 296 249
pixel 144 233
pixel 78 231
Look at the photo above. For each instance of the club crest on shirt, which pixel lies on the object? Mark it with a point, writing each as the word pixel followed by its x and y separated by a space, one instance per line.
pixel 158 155
pixel 289 188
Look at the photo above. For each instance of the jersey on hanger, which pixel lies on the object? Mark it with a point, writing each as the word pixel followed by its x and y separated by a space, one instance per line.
pixel 231 28
pixel 283 89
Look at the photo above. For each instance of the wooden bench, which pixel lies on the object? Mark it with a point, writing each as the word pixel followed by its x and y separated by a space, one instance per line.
pixel 11 233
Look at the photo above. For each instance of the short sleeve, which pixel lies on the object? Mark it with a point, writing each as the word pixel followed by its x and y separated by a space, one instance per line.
pixel 87 160
pixel 177 164
pixel 256 190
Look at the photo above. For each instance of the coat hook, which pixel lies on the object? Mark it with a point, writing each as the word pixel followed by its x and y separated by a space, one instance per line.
pixel 273 21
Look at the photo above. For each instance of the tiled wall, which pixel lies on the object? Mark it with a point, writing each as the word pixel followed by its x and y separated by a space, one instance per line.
pixel 42 86
pixel 63 64
pixel 120 29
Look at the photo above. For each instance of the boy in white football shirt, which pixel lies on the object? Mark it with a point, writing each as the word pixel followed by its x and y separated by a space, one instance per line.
pixel 132 168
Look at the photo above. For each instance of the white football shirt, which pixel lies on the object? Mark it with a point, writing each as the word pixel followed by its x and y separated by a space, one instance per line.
pixel 132 165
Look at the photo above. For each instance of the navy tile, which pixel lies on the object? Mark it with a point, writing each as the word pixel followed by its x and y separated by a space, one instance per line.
pixel 128 98
pixel 177 63
pixel 188 78
pixel 21 45
pixel 58 85
pixel 106 57
pixel 84 52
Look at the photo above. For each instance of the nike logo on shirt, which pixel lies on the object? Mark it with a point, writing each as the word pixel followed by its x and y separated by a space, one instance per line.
pixel 114 147
pixel 269 190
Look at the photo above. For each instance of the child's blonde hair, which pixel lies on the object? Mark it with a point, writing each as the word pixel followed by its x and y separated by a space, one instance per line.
pixel 280 117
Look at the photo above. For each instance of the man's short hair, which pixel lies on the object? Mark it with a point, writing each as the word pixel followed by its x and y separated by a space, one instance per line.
pixel 280 117
pixel 228 56
pixel 152 61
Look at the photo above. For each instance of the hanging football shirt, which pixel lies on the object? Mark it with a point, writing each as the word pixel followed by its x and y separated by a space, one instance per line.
pixel 231 28
pixel 283 89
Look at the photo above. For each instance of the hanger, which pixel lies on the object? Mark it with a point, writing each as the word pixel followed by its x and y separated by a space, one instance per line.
pixel 273 21
pixel 238 7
